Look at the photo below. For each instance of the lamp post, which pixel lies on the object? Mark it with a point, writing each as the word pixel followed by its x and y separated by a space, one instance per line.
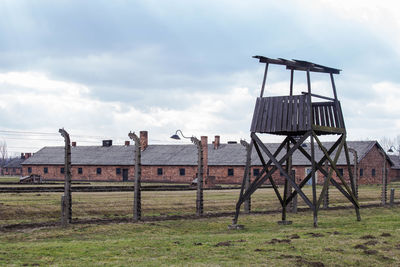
pixel 393 148
pixel 199 196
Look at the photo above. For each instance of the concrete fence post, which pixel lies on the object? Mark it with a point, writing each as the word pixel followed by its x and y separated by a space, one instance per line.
pixel 199 193
pixel 384 186
pixel 63 208
pixel 137 199
pixel 66 200
pixel 391 203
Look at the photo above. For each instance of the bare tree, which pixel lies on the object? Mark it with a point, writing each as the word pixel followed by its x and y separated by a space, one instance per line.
pixel 3 154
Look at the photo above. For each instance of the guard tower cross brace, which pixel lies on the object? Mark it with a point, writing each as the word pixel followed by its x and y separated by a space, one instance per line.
pixel 299 118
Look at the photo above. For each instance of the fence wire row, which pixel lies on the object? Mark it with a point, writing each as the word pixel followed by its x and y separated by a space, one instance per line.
pixel 45 207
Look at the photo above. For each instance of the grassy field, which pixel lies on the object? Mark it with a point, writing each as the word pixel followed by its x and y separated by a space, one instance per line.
pixel 339 241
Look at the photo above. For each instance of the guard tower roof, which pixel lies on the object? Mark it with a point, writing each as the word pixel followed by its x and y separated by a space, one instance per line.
pixel 295 64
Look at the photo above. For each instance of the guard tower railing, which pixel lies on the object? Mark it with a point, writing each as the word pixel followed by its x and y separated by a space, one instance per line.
pixel 291 115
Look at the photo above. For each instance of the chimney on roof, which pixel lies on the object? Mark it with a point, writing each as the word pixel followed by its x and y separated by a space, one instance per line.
pixel 216 142
pixel 22 156
pixel 127 143
pixel 144 140
pixel 107 142
pixel 27 155
pixel 74 144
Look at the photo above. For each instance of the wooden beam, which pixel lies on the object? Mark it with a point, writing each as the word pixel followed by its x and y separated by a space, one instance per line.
pixel 333 166
pixel 319 96
pixel 304 181
pixel 277 164
pixel 264 79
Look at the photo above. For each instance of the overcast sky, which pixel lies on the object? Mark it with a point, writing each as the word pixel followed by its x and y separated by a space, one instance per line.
pixel 103 68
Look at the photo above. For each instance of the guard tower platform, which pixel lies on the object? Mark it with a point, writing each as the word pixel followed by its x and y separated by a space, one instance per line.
pixel 300 118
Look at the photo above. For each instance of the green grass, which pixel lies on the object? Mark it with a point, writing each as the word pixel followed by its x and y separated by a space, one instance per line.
pixel 9 179
pixel 208 242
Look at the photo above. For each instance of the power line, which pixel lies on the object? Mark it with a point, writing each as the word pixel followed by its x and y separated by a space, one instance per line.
pixel 11 132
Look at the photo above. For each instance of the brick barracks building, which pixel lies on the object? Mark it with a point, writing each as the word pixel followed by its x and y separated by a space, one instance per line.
pixel 223 163
pixel 14 167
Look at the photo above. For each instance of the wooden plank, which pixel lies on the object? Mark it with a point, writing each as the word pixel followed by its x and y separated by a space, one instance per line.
pixel 341 116
pixel 285 113
pixel 326 108
pixel 290 111
pixel 322 114
pixel 254 122
pixel 330 130
pixel 295 113
pixel 263 115
pixel 306 114
pixel 319 96
pixel 301 114
pixel 279 115
pixel 270 115
pixel 316 115
pixel 274 113
pixel 335 113
pixel 331 118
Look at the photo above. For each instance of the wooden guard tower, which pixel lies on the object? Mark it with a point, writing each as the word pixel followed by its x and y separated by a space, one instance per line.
pixel 298 118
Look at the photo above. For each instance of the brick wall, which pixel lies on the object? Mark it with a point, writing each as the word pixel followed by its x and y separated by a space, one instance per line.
pixel 12 171
pixel 89 173
pixel 373 160
pixel 169 174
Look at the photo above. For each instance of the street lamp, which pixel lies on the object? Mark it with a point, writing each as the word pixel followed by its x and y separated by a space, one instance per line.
pixel 199 196
pixel 393 148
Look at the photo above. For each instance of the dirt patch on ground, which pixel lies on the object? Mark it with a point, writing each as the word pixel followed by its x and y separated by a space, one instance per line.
pixel 315 234
pixel 274 241
pixel 260 250
pixel 397 246
pixel 302 262
pixel 294 236
pixel 334 249
pixel 360 246
pixel 386 234
pixel 383 257
pixel 368 237
pixel 370 251
pixel 224 244
pixel 371 243
pixel 241 241
pixel 288 256
pixel 198 244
